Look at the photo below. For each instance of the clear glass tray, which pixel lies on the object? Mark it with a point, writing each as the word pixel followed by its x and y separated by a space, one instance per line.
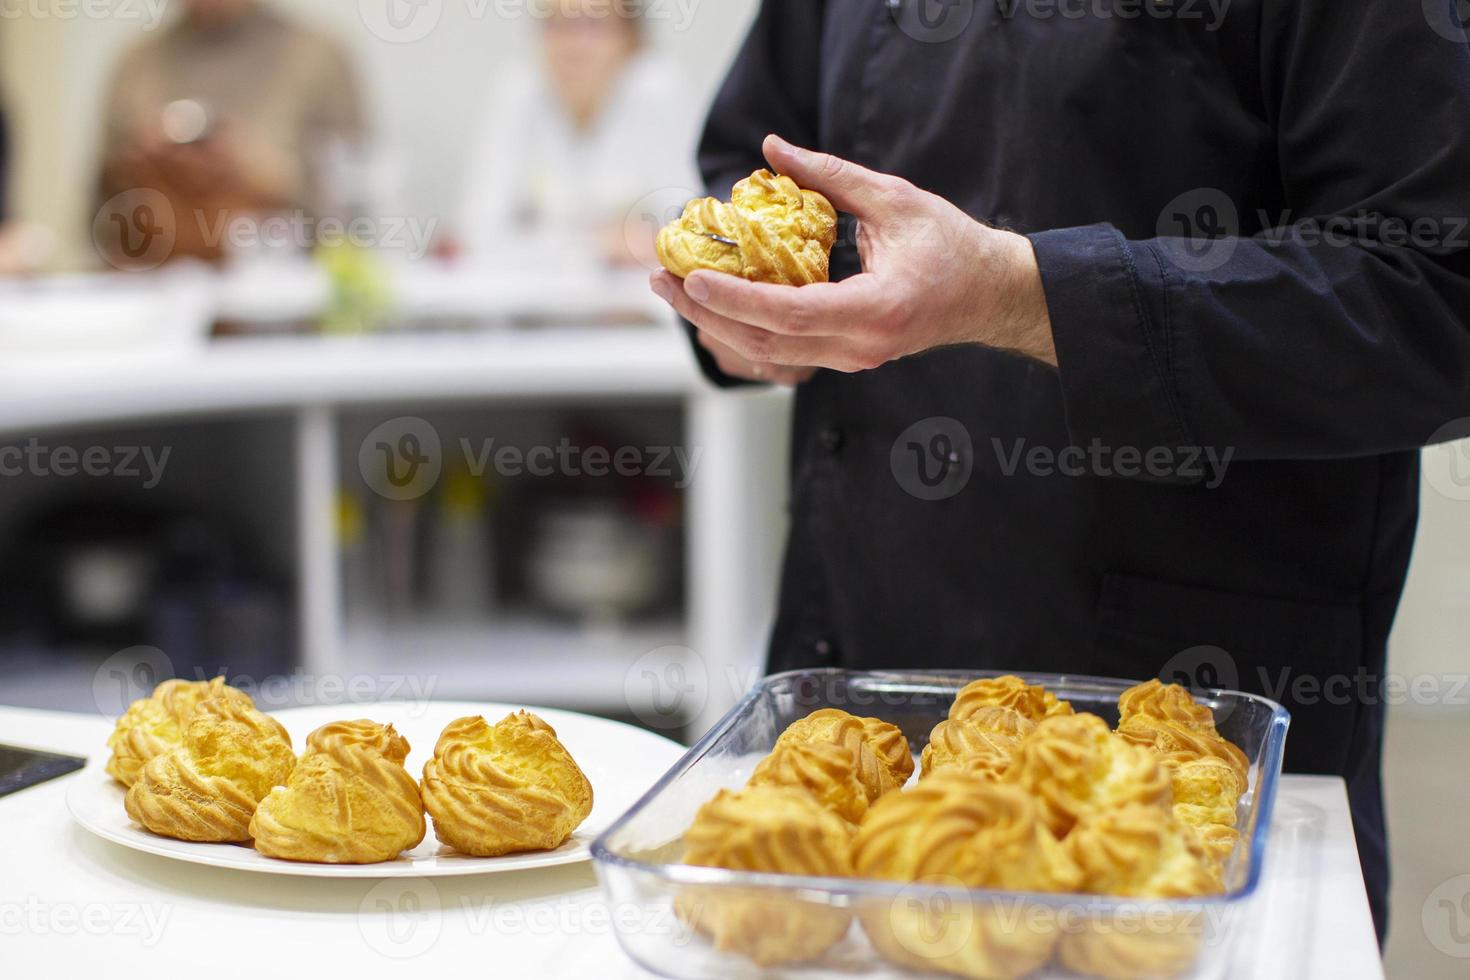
pixel 892 929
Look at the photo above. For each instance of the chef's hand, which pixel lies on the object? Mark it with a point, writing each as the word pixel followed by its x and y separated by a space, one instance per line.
pixel 932 277
pixel 736 366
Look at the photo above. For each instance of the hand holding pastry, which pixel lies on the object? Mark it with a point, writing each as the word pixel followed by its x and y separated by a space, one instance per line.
pixel 932 277
pixel 504 788
pixel 770 231
pixel 207 788
pixel 348 801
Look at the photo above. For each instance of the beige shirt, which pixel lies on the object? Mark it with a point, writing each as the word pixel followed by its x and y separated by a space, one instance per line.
pixel 286 94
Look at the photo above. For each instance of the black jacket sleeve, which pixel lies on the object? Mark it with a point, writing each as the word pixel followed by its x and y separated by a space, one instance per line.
pixel 1343 332
pixel 772 88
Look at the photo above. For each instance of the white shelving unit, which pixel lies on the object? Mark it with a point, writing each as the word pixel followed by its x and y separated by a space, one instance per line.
pixel 734 503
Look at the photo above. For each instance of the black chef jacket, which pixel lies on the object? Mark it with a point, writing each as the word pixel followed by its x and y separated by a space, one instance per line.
pixel 1155 161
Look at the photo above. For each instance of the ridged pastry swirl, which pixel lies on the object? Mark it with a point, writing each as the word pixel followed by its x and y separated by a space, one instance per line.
pixel 825 770
pixel 1138 851
pixel 883 758
pixel 1009 691
pixel 504 788
pixel 348 801
pixel 984 741
pixel 1074 765
pixel 1208 773
pixel 207 788
pixel 783 234
pixel 768 828
pixel 959 829
pixel 153 725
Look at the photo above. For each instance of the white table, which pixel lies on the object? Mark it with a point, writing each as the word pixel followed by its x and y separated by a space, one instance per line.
pixel 75 906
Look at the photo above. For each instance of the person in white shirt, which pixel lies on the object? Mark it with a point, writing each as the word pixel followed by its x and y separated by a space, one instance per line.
pixel 580 156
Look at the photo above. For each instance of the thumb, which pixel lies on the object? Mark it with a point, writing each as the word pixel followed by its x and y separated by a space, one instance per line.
pixel 851 188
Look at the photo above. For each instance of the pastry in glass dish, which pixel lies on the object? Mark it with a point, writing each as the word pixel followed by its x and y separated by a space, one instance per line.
pixel 961 831
pixel 985 741
pixel 766 828
pixel 1074 765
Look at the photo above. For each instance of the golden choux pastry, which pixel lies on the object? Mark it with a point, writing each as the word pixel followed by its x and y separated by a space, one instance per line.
pixel 767 828
pixel 1208 773
pixel 1138 851
pixel 884 759
pixel 207 787
pixel 1167 946
pixel 984 741
pixel 961 830
pixel 1218 840
pixel 348 801
pixel 1206 790
pixel 781 233
pixel 1074 765
pixel 1166 702
pixel 825 770
pixel 504 788
pixel 1031 700
pixel 153 725
pixel 1166 717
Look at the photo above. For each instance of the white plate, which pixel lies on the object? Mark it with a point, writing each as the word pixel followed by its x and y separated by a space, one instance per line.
pixel 621 761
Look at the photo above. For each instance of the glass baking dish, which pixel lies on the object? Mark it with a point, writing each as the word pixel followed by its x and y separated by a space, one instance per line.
pixel 890 929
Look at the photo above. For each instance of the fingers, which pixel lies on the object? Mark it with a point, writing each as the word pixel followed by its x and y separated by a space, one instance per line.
pixel 738 367
pixel 750 342
pixel 814 310
pixel 851 188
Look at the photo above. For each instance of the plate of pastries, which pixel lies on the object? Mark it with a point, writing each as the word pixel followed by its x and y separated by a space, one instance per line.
pixel 197 772
pixel 1015 791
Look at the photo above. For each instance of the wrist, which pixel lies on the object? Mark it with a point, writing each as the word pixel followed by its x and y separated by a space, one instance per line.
pixel 1023 322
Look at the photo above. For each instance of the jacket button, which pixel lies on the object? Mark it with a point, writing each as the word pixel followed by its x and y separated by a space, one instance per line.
pixel 825 651
pixel 832 439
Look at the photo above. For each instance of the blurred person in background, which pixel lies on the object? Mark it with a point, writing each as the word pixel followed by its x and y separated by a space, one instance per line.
pixel 231 110
pixel 569 146
pixel 23 248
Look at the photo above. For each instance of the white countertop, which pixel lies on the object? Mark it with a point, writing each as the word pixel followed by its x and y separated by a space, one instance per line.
pixel 72 905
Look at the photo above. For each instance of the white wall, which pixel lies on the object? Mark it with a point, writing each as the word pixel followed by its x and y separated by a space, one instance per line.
pixel 424 94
